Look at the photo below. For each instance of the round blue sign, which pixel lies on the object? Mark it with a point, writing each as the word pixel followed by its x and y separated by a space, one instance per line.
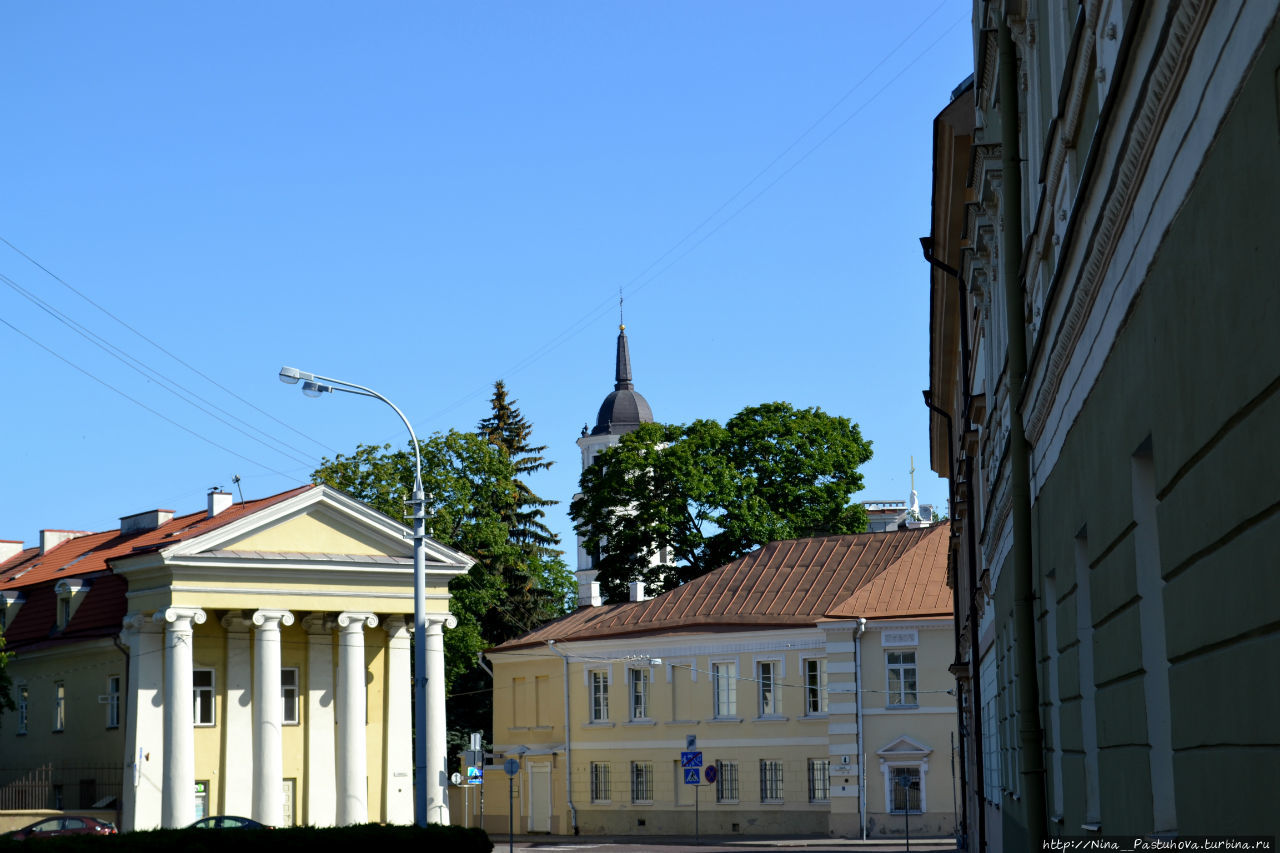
pixel 512 766
pixel 709 772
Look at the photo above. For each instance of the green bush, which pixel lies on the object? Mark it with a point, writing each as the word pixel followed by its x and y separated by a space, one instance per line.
pixel 453 839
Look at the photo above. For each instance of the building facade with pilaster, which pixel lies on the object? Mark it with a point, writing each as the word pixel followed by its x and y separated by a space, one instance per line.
pixel 251 659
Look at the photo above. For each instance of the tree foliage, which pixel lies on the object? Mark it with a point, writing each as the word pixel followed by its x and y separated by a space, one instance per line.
pixel 670 503
pixel 6 684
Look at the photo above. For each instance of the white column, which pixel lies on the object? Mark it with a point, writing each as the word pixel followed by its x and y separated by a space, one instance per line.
pixel 353 764
pixel 321 793
pixel 437 780
pixel 237 720
pixel 268 715
pixel 398 732
pixel 178 794
pixel 144 725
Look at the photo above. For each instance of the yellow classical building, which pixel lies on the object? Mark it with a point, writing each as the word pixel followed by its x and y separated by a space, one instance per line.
pixel 811 674
pixel 251 659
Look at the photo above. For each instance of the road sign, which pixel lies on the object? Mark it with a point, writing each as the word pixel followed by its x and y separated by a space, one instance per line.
pixel 691 759
pixel 475 775
pixel 512 766
pixel 710 773
pixel 456 778
pixel 691 776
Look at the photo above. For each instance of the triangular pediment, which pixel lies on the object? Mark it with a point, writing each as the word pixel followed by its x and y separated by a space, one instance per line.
pixel 904 747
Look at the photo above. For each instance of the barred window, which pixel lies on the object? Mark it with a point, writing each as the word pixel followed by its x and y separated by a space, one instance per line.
pixel 906 789
pixel 819 780
pixel 642 781
pixel 770 781
pixel 600 782
pixel 727 782
pixel 599 695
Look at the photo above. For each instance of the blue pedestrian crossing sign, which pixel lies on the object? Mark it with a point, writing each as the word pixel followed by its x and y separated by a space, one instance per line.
pixel 691 776
pixel 690 759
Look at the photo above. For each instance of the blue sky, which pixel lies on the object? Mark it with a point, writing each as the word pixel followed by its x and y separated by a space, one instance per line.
pixel 426 197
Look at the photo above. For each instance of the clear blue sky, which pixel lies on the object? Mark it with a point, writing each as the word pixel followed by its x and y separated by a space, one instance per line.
pixel 427 197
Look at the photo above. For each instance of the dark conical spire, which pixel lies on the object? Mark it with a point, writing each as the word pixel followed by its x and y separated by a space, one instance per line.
pixel 622 372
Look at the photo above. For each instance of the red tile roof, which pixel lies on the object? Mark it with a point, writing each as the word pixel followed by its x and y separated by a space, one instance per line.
pixel 93 552
pixel 792 582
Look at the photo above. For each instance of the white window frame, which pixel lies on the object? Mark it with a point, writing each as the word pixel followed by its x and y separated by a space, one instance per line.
pixel 202 696
pixel 290 691
pixel 815 688
pixel 59 706
pixel 819 783
pixel 724 689
pixel 601 790
pixel 638 681
pixel 113 701
pixel 897 697
pixel 772 788
pixel 768 700
pixel 641 782
pixel 598 685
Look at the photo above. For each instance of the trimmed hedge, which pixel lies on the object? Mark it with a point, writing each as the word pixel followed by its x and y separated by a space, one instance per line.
pixel 454 839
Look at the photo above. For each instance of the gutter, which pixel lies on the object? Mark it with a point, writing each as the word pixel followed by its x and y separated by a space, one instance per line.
pixel 862 757
pixel 568 742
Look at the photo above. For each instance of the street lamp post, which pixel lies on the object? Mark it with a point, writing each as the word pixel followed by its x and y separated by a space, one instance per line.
pixel 423 758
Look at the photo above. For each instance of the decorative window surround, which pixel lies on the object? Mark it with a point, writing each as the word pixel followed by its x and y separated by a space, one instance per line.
pixel 904 752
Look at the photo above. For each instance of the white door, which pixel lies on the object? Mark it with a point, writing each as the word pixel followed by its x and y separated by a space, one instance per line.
pixel 539 797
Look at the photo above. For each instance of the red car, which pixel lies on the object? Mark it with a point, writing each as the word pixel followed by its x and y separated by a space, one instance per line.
pixel 67 825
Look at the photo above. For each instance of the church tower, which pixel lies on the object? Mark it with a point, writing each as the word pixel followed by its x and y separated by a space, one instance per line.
pixel 621 412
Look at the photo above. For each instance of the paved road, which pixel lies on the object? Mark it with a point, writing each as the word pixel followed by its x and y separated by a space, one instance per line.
pixel 735 844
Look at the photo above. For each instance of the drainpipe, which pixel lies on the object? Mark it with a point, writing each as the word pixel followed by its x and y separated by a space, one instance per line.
pixel 483 665
pixel 1030 742
pixel 862 757
pixel 568 742
pixel 975 682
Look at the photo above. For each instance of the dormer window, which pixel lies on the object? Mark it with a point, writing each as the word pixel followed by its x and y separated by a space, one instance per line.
pixel 71 592
pixel 10 602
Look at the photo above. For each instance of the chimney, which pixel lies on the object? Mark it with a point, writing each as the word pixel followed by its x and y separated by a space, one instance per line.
pixel 637 590
pixel 9 548
pixel 589 594
pixel 141 522
pixel 50 539
pixel 218 501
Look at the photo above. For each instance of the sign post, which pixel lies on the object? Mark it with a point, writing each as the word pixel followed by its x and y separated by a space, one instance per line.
pixel 691 763
pixel 512 766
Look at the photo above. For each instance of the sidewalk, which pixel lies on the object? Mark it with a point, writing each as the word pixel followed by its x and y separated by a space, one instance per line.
pixel 719 842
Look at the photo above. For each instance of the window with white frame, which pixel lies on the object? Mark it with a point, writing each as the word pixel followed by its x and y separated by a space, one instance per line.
pixel 600 792
pixel 726 782
pixel 724 687
pixel 24 698
pixel 639 693
pixel 113 701
pixel 815 686
pixel 905 793
pixel 202 696
pixel 642 781
pixel 819 780
pixel 770 780
pixel 901 669
pixel 289 695
pixel 767 684
pixel 59 706
pixel 599 695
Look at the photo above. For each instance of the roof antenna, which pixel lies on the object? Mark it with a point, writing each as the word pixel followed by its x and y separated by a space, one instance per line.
pixel 235 478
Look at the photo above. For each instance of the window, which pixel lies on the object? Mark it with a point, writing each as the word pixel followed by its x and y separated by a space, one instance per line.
pixel 23 699
pixel 906 789
pixel 113 701
pixel 724 685
pixel 202 690
pixel 599 696
pixel 639 693
pixel 64 611
pixel 600 782
pixel 727 782
pixel 202 798
pixel 901 667
pixel 289 693
pixel 767 681
pixel 770 781
pixel 59 706
pixel 815 686
pixel 642 781
pixel 819 780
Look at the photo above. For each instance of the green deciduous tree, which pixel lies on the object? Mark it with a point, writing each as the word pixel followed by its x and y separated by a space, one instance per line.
pixel 6 698
pixel 670 503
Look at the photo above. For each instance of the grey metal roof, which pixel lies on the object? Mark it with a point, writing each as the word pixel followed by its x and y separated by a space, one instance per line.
pixel 625 409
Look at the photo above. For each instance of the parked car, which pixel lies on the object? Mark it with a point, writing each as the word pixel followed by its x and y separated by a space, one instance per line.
pixel 227 822
pixel 66 825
